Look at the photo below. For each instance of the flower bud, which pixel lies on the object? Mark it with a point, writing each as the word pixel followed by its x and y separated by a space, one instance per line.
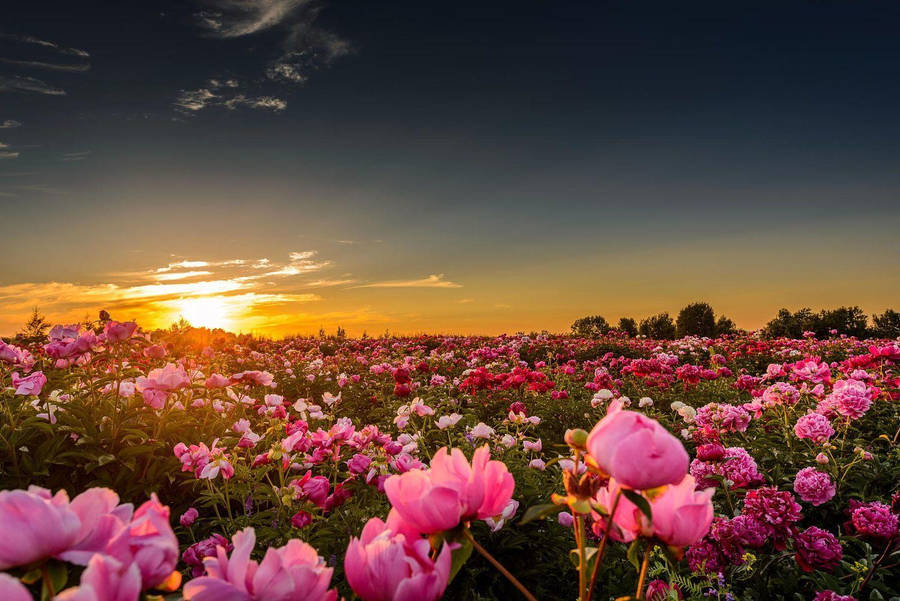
pixel 577 439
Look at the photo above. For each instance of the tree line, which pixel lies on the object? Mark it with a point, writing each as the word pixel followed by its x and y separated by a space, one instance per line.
pixel 699 319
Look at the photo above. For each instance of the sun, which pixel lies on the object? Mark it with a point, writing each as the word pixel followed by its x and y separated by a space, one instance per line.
pixel 206 312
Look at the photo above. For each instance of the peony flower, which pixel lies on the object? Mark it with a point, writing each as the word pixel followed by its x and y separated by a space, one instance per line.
pixel 386 565
pixel 451 490
pixel 32 384
pixel 188 518
pixel 105 579
pixel 117 332
pixel 194 555
pixel 814 486
pixel 873 520
pixel 293 572
pixel 42 525
pixel 153 544
pixel 11 589
pixel 815 427
pixel 636 451
pixel 681 515
pixel 817 549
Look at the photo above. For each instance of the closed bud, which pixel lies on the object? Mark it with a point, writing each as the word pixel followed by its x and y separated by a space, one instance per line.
pixel 577 439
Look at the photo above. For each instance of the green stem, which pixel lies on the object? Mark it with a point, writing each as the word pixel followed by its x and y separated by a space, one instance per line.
pixel 515 582
pixel 639 593
pixel 602 548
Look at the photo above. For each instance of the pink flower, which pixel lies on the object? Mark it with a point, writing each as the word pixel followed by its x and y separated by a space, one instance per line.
pixel 451 490
pixel 636 451
pixel 153 545
pixel 815 427
pixel 40 524
pixel 384 565
pixel 780 393
pixel 160 382
pixel 814 486
pixel 196 553
pixel 32 384
pixel 104 527
pixel 293 572
pixel 155 351
pixel 301 519
pixel 105 579
pixel 873 520
pixel 832 596
pixel 117 332
pixel 817 549
pixel 359 463
pixel 11 589
pixel 217 381
pixel 188 518
pixel 682 515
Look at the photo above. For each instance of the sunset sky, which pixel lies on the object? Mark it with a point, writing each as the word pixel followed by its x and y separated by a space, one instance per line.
pixel 278 166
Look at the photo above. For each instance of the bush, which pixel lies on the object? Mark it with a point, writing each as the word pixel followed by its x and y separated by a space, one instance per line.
pixel 696 319
pixel 659 327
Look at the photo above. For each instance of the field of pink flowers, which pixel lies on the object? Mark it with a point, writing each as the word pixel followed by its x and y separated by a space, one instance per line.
pixel 215 468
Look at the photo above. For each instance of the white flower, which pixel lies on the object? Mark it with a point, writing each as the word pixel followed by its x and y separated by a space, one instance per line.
pixel 482 430
pixel 447 421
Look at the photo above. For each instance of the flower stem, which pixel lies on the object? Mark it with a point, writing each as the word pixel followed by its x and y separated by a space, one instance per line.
pixel 499 566
pixel 602 548
pixel 639 593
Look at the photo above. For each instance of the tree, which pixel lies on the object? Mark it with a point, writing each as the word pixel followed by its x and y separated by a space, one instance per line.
pixel 36 327
pixel 591 326
pixel 628 325
pixel 790 325
pixel 696 319
pixel 660 327
pixel 851 321
pixel 886 325
pixel 725 326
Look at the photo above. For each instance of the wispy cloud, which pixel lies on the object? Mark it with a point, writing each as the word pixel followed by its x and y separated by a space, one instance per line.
pixel 76 156
pixel 73 68
pixel 28 84
pixel 224 94
pixel 303 48
pixel 28 39
pixel 7 154
pixel 9 124
pixel 432 281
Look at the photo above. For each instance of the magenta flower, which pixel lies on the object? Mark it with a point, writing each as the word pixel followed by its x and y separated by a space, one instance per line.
pixel 814 486
pixel 188 518
pixel 873 520
pixel 815 427
pixel 817 549
pixel 383 565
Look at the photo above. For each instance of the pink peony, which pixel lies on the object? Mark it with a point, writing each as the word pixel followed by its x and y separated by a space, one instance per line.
pixel 117 332
pixel 32 384
pixel 814 486
pixel 817 549
pixel 873 520
pixel 815 427
pixel 451 490
pixel 387 565
pixel 11 589
pixel 42 525
pixel 105 579
pixel 293 572
pixel 636 451
pixel 152 542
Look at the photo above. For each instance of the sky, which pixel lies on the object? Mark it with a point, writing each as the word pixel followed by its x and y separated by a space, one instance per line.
pixel 279 166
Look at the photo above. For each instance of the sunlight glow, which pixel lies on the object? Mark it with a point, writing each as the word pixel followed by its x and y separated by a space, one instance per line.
pixel 206 312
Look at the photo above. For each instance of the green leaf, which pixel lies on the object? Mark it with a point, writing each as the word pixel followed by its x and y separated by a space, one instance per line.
pixel 590 555
pixel 460 555
pixel 537 512
pixel 634 554
pixel 58 575
pixel 639 501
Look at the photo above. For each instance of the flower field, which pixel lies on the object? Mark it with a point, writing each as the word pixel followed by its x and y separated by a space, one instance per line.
pixel 207 467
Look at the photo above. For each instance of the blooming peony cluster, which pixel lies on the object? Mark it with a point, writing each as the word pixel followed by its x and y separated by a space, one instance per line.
pixel 815 427
pixel 723 417
pixel 775 509
pixel 814 486
pixel 817 549
pixel 873 520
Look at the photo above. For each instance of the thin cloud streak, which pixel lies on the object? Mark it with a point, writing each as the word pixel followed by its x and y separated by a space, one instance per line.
pixel 432 281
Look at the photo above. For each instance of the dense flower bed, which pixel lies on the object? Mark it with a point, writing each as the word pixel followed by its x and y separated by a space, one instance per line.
pixel 448 467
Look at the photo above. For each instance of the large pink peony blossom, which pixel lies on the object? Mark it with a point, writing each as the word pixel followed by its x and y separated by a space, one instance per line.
pixel 36 525
pixel 293 572
pixel 387 565
pixel 636 451
pixel 451 490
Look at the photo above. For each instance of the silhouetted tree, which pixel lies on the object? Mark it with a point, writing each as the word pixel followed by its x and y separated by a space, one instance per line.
pixel 844 320
pixel 35 328
pixel 725 326
pixel 790 325
pixel 591 326
pixel 696 319
pixel 886 325
pixel 628 325
pixel 660 327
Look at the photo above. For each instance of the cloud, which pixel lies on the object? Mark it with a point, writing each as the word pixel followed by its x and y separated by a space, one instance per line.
pixel 224 94
pixel 302 48
pixel 6 154
pixel 432 281
pixel 73 68
pixel 9 124
pixel 28 84
pixel 27 39
pixel 76 156
pixel 179 275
